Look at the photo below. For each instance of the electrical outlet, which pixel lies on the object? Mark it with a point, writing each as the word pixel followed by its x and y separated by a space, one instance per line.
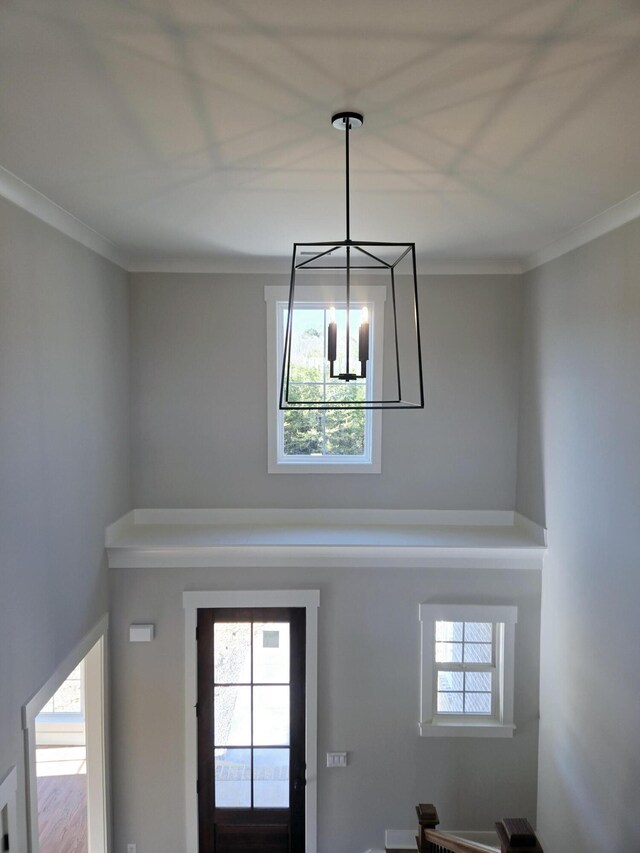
pixel 131 848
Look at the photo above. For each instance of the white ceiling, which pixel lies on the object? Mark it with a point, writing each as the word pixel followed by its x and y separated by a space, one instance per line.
pixel 200 129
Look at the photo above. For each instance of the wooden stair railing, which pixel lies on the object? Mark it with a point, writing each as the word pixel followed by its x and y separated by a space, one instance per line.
pixel 516 835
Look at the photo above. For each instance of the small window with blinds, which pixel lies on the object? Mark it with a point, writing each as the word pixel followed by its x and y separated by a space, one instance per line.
pixel 467 670
pixel 465 664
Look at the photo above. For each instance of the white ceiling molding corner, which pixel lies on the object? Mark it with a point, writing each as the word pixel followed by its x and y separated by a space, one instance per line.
pixel 17 191
pixel 242 265
pixel 281 266
pixel 471 266
pixel 602 223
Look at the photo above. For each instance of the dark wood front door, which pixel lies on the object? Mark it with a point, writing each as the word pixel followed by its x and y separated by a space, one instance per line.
pixel 251 730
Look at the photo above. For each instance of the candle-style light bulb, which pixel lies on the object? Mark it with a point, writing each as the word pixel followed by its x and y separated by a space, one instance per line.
pixel 363 340
pixel 332 336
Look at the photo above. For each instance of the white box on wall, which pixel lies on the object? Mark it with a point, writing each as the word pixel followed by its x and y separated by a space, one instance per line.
pixel 141 633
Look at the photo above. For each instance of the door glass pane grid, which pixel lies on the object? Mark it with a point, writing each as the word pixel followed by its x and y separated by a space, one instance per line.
pixel 250 713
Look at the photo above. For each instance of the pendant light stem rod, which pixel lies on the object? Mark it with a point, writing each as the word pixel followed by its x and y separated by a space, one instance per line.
pixel 347 193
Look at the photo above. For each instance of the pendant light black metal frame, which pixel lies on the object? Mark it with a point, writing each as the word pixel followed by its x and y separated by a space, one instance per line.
pixel 366 261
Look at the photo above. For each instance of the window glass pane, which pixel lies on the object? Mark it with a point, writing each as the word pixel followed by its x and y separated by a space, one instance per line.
pixel 68 698
pixel 308 392
pixel 271 652
pixel 232 778
pixel 449 652
pixel 346 392
pixel 271 716
pixel 449 681
pixel 232 652
pixel 477 703
pixel 477 653
pixel 307 345
pixel 316 433
pixel 450 703
pixel 345 431
pixel 449 631
pixel 232 716
pixel 271 778
pixel 478 681
pixel 303 429
pixel 478 632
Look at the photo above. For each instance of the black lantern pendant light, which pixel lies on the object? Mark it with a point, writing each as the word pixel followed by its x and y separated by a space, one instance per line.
pixel 387 353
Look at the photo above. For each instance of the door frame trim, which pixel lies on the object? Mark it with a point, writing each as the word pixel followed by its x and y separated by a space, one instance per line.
pixel 101 829
pixel 193 601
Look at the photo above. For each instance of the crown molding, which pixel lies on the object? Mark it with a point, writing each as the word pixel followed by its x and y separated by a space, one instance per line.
pixel 17 191
pixel 241 265
pixel 470 266
pixel 282 266
pixel 23 195
pixel 602 223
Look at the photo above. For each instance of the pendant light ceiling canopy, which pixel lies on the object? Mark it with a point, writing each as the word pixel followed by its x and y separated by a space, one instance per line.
pixel 367 291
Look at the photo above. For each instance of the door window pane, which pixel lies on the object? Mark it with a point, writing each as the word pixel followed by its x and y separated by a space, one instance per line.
pixel 271 652
pixel 232 716
pixel 232 652
pixel 233 778
pixel 271 778
pixel 271 716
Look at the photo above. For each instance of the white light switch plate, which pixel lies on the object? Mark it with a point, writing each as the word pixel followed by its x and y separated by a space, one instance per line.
pixel 336 759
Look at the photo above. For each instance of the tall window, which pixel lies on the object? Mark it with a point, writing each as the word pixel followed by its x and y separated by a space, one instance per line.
pixel 330 434
pixel 307 440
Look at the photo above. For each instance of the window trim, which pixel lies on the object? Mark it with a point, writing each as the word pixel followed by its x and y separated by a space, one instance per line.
pixel 500 724
pixel 326 291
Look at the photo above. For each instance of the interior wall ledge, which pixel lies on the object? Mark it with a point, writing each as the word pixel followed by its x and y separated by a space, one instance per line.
pixel 191 538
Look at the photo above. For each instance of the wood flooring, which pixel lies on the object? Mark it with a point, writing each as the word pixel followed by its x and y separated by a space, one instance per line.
pixel 62 814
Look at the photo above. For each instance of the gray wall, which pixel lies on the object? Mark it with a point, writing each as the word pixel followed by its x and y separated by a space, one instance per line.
pixel 64 452
pixel 199 401
pixel 579 469
pixel 369 653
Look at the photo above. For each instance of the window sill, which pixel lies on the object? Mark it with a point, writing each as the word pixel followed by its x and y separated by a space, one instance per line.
pixel 324 468
pixel 466 729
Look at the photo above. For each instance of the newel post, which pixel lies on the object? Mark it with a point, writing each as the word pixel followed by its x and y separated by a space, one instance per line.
pixel 428 819
pixel 517 836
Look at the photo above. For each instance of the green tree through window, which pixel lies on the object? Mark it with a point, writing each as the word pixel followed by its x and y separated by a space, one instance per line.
pixel 313 432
